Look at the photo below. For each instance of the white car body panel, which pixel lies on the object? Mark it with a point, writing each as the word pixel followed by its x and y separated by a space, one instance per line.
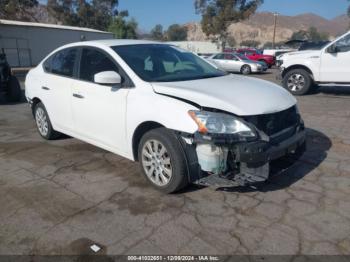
pixel 235 94
pixel 325 67
pixel 309 58
pixel 108 117
pixel 335 67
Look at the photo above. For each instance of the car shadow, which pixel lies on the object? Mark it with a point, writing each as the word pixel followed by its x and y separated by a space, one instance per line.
pixel 333 90
pixel 285 172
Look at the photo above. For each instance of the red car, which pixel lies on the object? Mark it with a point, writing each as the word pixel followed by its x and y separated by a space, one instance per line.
pixel 255 55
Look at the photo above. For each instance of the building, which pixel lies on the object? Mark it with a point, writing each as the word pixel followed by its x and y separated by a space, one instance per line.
pixel 26 44
pixel 199 47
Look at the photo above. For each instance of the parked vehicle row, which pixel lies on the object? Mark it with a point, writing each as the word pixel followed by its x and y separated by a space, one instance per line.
pixel 232 62
pixel 183 119
pixel 256 55
pixel 328 65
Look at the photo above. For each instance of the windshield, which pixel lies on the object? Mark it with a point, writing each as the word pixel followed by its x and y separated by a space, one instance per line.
pixel 165 63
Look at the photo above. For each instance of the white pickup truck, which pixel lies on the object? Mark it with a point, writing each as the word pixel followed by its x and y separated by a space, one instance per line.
pixel 303 70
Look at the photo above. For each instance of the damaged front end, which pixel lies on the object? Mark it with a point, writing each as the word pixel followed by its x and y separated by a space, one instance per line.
pixel 243 158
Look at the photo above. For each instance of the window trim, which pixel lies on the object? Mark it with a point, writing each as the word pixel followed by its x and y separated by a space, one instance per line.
pixel 339 40
pixel 126 83
pixel 54 54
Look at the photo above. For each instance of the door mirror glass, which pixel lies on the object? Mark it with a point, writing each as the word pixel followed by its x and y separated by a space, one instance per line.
pixel 107 78
pixel 333 49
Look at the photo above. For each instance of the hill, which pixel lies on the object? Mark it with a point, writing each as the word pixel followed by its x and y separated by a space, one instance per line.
pixel 260 27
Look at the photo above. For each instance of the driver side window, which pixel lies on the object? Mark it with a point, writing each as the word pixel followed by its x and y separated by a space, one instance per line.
pixel 343 45
pixel 93 62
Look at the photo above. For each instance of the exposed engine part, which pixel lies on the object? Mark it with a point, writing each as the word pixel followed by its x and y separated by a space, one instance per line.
pixel 212 159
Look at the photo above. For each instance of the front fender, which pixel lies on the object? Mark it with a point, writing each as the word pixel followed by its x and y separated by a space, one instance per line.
pixel 145 106
pixel 310 64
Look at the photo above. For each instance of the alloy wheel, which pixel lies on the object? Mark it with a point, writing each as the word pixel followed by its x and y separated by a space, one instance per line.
pixel 41 121
pixel 296 82
pixel 156 163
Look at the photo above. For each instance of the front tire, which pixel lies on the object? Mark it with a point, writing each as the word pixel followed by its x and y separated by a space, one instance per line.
pixel 43 123
pixel 298 82
pixel 163 161
pixel 246 70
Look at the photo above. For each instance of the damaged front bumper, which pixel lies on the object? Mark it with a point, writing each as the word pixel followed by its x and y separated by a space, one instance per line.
pixel 222 161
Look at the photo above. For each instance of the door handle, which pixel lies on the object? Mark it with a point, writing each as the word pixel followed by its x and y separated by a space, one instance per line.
pixel 45 88
pixel 78 96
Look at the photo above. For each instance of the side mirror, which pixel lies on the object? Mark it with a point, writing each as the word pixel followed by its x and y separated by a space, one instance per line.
pixel 108 78
pixel 333 49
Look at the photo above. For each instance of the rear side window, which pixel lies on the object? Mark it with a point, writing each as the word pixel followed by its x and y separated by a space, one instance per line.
pixel 93 62
pixel 219 56
pixel 62 63
pixel 47 64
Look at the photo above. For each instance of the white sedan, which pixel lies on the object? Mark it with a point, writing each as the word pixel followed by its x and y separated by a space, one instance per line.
pixel 183 119
pixel 232 62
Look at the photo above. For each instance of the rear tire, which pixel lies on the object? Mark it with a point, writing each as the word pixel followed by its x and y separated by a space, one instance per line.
pixel 246 70
pixel 14 93
pixel 44 124
pixel 298 82
pixel 163 161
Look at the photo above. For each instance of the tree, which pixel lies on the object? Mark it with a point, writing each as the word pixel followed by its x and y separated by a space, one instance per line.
pixel 157 33
pixel 218 15
pixel 299 35
pixel 17 9
pixel 95 14
pixel 176 32
pixel 250 43
pixel 123 29
pixel 311 34
pixel 231 41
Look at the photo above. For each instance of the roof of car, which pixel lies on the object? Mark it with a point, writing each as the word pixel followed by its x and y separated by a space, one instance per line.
pixel 113 42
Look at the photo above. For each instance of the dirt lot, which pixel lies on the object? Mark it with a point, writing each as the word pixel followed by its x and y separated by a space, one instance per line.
pixel 60 197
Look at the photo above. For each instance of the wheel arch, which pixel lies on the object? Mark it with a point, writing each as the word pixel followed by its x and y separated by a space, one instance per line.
pixel 142 129
pixel 244 66
pixel 34 102
pixel 307 69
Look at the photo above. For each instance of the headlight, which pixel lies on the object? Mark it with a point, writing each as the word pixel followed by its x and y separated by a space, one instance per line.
pixel 218 123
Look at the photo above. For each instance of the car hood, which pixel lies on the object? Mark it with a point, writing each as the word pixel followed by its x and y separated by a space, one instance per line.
pixel 298 54
pixel 239 95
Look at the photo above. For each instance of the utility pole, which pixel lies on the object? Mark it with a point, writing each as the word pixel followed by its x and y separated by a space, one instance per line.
pixel 275 15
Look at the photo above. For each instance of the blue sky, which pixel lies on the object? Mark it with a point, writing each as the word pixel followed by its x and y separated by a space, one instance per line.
pixel 151 12
pixel 148 13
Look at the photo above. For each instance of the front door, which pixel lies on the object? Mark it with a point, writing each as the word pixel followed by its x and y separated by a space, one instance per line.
pixel 335 67
pixel 99 110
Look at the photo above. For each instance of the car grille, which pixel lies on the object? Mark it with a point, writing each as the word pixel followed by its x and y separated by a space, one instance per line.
pixel 274 123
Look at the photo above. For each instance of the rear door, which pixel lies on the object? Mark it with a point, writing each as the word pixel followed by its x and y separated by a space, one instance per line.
pixel 56 87
pixel 335 67
pixel 99 111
